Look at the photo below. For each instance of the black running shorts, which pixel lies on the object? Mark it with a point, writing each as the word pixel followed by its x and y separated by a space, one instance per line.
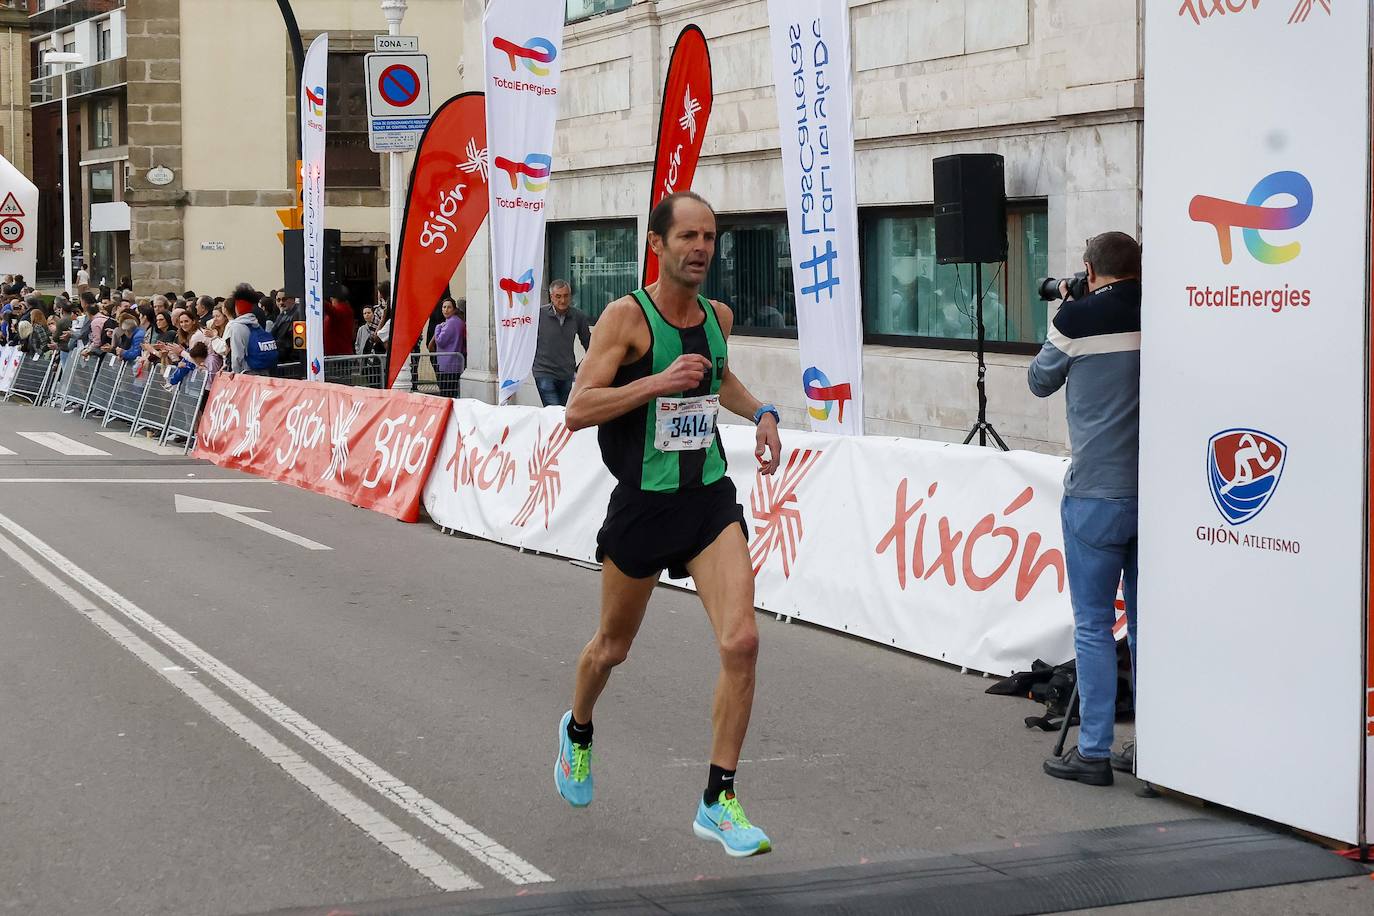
pixel 646 533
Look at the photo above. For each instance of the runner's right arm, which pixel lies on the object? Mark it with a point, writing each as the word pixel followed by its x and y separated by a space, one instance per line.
pixel 594 401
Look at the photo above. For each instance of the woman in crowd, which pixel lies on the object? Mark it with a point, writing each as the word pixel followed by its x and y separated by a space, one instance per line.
pixel 39 335
pixel 212 335
pixel 450 344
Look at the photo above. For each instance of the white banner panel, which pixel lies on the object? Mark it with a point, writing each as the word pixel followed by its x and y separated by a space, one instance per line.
pixel 10 358
pixel 314 79
pixel 18 223
pixel 523 39
pixel 948 551
pixel 1252 406
pixel 811 71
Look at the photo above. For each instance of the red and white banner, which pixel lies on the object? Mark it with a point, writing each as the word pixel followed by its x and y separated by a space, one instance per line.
pixel 687 99
pixel 314 79
pixel 370 448
pixel 813 85
pixel 951 552
pixel 523 41
pixel 444 209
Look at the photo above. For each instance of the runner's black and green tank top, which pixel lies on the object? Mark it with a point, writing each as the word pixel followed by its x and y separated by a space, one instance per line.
pixel 627 442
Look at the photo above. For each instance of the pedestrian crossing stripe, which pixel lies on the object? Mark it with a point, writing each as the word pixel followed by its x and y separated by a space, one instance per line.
pixel 11 206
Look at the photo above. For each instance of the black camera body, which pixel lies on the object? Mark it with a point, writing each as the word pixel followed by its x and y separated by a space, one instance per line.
pixel 1078 287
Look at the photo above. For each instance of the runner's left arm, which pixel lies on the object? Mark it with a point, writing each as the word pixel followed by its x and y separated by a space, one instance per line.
pixel 735 398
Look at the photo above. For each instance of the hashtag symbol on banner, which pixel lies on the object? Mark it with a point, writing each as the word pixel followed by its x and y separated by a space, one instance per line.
pixel 818 260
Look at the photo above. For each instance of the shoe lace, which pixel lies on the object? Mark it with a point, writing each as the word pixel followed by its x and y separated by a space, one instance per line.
pixel 581 762
pixel 734 812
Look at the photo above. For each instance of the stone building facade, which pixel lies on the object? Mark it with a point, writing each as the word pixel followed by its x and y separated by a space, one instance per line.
pixel 16 125
pixel 212 99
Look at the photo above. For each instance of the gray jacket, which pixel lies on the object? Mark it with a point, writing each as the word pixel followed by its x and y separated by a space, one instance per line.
pixel 238 332
pixel 1094 347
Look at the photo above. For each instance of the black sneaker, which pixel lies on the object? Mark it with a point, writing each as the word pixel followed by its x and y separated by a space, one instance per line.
pixel 1073 766
pixel 1123 761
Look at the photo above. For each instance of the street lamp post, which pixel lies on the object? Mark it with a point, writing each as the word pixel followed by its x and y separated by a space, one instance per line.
pixel 65 59
pixel 395 11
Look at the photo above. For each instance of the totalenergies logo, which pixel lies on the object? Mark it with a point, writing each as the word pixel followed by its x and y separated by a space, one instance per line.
pixel 532 54
pixel 316 99
pixel 818 389
pixel 518 287
pixel 1253 216
pixel 534 171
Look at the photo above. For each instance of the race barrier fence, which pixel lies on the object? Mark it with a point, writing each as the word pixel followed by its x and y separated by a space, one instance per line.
pixel 127 397
pixel 31 378
pixel 952 552
pixel 10 357
pixel 76 388
pixel 107 379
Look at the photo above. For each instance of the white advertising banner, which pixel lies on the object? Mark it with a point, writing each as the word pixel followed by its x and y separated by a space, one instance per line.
pixel 314 79
pixel 1252 483
pixel 18 223
pixel 10 358
pixel 811 72
pixel 948 551
pixel 523 40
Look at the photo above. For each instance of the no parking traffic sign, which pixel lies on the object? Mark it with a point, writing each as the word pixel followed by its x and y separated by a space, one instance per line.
pixel 398 104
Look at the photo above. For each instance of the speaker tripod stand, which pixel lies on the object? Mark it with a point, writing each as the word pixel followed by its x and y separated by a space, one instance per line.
pixel 981 427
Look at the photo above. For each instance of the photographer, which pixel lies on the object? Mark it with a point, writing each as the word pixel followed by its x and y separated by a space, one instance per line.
pixel 1094 346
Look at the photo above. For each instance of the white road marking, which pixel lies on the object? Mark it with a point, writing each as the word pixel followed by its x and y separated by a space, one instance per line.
pixel 146 445
pixel 191 505
pixel 442 873
pixel 468 838
pixel 5 451
pixel 65 446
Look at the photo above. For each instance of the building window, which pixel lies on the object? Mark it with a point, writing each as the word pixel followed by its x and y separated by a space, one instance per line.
pixel 909 298
pixel 102 184
pixel 585 9
pixel 600 260
pixel 348 163
pixel 102 123
pixel 752 273
pixel 103 36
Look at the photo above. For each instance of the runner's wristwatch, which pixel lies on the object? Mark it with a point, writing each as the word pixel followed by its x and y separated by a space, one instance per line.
pixel 766 408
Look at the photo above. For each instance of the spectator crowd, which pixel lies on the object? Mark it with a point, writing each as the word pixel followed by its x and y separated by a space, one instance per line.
pixel 244 332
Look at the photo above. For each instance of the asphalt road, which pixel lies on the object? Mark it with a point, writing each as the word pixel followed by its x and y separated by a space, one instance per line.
pixel 204 717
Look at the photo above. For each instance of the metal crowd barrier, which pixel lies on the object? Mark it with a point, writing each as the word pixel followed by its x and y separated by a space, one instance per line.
pixel 32 378
pixel 128 395
pixel 156 405
pixel 185 409
pixel 81 372
pixel 107 378
pixel 357 371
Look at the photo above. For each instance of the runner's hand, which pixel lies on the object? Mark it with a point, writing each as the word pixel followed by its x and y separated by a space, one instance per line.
pixel 684 374
pixel 768 445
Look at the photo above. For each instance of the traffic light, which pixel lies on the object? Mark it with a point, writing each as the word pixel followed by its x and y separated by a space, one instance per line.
pixel 298 335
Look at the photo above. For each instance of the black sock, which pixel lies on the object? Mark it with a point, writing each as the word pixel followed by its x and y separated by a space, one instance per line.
pixel 720 780
pixel 579 733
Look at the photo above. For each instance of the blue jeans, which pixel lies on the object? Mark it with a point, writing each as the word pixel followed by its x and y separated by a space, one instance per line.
pixel 1101 549
pixel 553 390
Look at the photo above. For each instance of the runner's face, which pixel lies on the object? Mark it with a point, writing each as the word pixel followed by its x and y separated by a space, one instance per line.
pixel 685 255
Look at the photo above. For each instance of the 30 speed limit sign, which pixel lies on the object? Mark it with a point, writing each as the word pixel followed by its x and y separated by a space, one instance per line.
pixel 11 231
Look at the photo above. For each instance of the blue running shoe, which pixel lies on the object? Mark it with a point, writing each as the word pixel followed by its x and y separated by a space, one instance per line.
pixel 572 770
pixel 725 823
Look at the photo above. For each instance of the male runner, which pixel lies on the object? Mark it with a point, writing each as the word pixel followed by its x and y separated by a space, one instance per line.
pixel 652 381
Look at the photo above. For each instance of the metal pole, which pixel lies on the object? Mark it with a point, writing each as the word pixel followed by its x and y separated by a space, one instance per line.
pixel 293 34
pixel 66 193
pixel 395 11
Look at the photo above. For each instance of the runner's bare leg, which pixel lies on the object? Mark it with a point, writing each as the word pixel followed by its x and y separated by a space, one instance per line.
pixel 623 601
pixel 725 582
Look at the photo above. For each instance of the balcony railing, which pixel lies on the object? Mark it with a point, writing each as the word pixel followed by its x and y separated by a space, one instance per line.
pixel 107 74
pixel 69 14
